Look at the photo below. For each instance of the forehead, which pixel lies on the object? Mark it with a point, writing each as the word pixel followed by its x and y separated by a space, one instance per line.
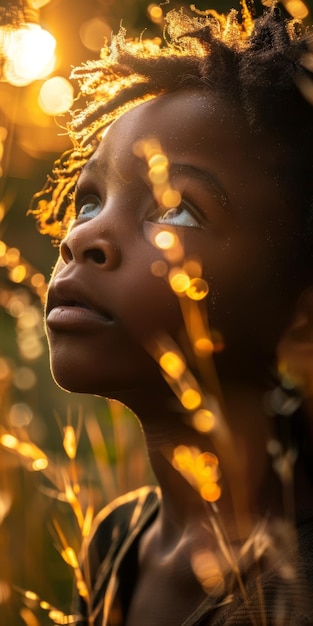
pixel 191 124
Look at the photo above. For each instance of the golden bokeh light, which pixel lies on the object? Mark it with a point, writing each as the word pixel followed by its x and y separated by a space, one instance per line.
pixel 93 33
pixel 20 415
pixel 203 346
pixel 158 174
pixel 193 267
pixel 203 421
pixel 16 306
pixel 9 441
pixel 197 289
pixel 207 465
pixel 58 617
pixel 44 605
pixel 29 52
pixel 297 8
pixel 28 617
pixel 173 364
pixel 37 280
pixel 29 318
pixel 40 464
pixel 207 570
pixel 30 595
pixel 159 268
pixel 200 469
pixel 165 240
pixel 158 160
pixel 30 345
pixel 13 256
pixel 179 280
pixel 56 96
pixel 18 273
pixel 191 399
pixel 211 492
pixel 155 13
pixel 170 198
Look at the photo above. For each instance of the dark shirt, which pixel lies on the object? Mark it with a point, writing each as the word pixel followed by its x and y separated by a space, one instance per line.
pixel 274 587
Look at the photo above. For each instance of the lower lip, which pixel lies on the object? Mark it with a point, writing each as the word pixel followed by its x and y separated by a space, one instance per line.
pixel 74 318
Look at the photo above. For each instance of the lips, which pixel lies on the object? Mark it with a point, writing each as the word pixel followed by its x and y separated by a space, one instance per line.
pixel 71 309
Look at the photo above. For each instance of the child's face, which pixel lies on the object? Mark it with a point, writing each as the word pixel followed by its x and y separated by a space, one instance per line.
pixel 105 304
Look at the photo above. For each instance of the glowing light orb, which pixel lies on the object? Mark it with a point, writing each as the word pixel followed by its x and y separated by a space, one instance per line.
pixel 203 421
pixel 207 465
pixel 20 414
pixel 9 441
pixel 39 465
pixel 198 289
pixel 30 595
pixel 165 240
pixel 171 198
pixel 44 605
pixel 203 346
pixel 18 273
pixel 37 280
pixel 155 13
pixel 13 256
pixel 207 571
pixel 211 492
pixel 158 174
pixel 297 9
pixel 29 52
pixel 158 160
pixel 159 268
pixel 191 399
pixel 179 281
pixel 93 33
pixel 172 364
pixel 56 96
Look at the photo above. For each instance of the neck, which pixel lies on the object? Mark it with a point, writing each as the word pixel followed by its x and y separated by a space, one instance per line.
pixel 249 487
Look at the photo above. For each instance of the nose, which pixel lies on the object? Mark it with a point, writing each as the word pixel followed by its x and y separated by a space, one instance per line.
pixel 84 244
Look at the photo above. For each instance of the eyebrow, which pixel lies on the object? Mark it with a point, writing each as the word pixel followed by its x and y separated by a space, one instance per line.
pixel 92 165
pixel 176 168
pixel 207 177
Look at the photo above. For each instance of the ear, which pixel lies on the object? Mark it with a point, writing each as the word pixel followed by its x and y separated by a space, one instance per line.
pixel 295 349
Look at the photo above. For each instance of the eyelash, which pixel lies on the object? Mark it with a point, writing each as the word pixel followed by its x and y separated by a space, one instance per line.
pixel 182 215
pixel 90 199
pixel 174 216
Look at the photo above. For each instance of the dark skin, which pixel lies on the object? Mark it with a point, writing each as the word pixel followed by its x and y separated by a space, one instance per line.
pixel 105 308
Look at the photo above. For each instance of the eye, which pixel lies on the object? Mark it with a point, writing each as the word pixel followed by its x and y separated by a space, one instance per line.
pixel 89 206
pixel 182 215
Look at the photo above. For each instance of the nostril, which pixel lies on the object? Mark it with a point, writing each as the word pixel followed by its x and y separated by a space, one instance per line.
pixel 96 254
pixel 65 252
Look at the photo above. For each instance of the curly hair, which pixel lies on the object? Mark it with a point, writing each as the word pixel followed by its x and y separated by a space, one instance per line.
pixel 263 65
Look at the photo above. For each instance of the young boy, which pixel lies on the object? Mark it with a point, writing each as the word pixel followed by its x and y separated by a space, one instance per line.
pixel 184 290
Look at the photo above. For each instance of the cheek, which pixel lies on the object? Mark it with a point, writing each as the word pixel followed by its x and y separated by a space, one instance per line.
pixel 148 306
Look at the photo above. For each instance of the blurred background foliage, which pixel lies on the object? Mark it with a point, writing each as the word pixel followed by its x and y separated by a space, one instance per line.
pixel 51 439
